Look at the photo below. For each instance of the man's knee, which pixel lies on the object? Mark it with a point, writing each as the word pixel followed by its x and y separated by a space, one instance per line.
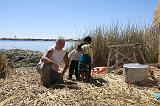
pixel 39 68
pixel 43 67
pixel 46 66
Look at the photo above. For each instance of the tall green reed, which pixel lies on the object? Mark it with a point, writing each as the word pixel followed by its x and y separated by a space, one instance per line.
pixel 115 34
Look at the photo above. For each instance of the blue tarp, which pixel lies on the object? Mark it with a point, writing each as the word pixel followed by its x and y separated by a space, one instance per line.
pixel 157 95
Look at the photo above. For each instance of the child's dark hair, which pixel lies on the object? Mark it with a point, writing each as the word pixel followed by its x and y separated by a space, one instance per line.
pixel 80 45
pixel 87 39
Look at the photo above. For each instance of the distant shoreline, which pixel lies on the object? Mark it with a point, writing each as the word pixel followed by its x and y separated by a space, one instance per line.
pixel 30 39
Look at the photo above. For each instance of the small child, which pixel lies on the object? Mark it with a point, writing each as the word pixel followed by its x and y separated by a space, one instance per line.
pixel 74 57
pixel 86 60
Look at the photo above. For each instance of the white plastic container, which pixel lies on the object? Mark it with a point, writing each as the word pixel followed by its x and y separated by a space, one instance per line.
pixel 135 72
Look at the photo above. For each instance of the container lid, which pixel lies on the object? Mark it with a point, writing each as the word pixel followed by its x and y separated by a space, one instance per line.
pixel 135 65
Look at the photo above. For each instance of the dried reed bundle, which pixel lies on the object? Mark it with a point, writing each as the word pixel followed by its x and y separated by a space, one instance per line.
pixel 4 66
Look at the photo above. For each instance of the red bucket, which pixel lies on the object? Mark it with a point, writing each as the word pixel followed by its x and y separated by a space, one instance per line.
pixel 99 70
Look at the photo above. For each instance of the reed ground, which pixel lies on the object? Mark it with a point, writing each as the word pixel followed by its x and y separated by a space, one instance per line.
pixel 23 87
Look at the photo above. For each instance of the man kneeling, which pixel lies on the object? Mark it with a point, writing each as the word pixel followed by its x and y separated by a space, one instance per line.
pixel 48 66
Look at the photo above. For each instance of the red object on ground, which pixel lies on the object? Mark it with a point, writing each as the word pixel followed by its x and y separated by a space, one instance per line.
pixel 99 70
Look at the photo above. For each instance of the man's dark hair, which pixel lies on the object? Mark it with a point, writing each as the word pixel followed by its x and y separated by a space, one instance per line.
pixel 87 39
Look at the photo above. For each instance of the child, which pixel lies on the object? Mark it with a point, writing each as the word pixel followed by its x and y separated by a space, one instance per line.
pixel 74 57
pixel 86 59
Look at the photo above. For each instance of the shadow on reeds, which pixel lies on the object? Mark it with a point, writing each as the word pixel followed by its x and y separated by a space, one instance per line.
pixel 148 83
pixel 98 82
pixel 66 84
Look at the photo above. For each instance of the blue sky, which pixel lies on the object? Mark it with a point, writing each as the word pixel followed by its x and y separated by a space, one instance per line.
pixel 69 18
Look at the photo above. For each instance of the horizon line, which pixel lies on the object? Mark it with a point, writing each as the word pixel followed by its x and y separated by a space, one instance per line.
pixel 35 39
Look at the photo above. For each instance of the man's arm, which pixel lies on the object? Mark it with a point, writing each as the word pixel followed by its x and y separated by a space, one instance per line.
pixel 46 58
pixel 66 61
pixel 71 54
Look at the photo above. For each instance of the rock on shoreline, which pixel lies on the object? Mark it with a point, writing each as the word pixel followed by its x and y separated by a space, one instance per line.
pixel 22 58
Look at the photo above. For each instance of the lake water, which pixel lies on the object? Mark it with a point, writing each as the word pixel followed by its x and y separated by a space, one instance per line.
pixel 31 45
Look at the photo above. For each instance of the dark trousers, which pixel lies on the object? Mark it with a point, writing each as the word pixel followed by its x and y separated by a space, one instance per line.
pixel 74 66
pixel 85 66
pixel 48 75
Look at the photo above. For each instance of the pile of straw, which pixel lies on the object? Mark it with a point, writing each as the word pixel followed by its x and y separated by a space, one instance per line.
pixel 4 65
